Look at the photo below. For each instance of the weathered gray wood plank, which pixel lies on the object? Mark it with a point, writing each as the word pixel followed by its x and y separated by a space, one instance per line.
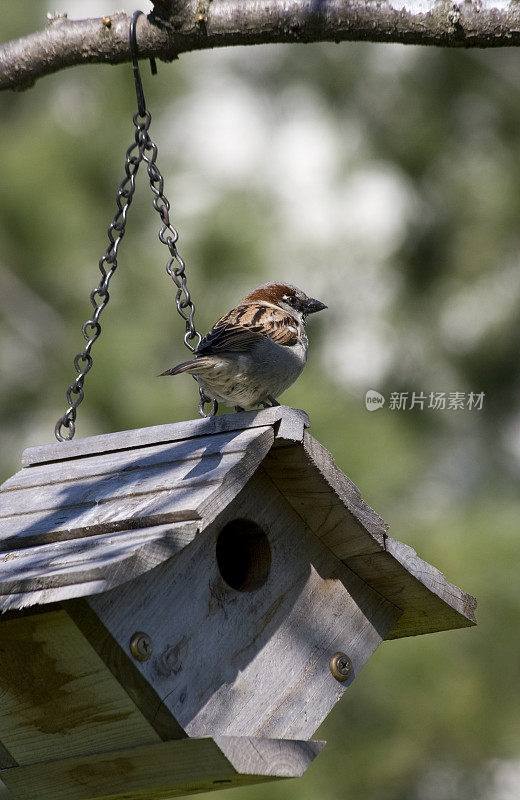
pixel 164 770
pixel 429 602
pixel 332 507
pixel 270 673
pixel 328 501
pixel 343 487
pixel 108 560
pixel 140 480
pixel 42 597
pixel 102 514
pixel 122 665
pixel 25 530
pixel 291 425
pixel 282 758
pixel 189 450
pixel 168 479
pixel 282 417
pixel 58 697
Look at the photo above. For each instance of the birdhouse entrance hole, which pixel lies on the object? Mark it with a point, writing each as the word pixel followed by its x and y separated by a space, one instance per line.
pixel 243 555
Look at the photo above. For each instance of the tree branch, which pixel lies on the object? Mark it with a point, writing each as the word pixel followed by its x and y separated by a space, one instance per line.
pixel 179 26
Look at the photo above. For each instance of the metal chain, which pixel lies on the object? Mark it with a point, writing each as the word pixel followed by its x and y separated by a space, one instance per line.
pixel 176 267
pixel 142 149
pixel 99 297
pixel 168 235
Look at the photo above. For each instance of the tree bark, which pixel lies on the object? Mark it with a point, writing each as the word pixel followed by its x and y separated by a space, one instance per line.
pixel 179 26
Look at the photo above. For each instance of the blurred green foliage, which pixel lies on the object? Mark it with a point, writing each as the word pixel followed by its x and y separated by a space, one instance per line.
pixel 386 181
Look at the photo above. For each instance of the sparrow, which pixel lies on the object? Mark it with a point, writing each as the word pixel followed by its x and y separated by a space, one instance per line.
pixel 255 351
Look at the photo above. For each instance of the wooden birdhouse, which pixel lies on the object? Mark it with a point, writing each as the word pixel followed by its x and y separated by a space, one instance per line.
pixel 184 605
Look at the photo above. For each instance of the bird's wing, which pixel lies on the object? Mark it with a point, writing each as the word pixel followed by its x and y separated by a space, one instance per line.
pixel 240 329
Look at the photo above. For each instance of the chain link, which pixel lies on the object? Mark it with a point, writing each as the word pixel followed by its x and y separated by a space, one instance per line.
pixel 99 297
pixel 176 267
pixel 142 149
pixel 168 235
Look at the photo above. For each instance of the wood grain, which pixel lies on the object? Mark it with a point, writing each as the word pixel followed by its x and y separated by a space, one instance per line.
pixel 71 568
pixel 183 477
pixel 283 758
pixel 429 602
pixel 128 499
pixel 168 769
pixel 252 663
pixel 332 507
pixel 328 502
pixel 123 667
pixel 178 431
pixel 111 486
pixel 58 697
pixel 127 461
pixel 116 514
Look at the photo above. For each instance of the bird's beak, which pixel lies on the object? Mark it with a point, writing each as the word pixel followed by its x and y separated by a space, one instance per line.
pixel 312 306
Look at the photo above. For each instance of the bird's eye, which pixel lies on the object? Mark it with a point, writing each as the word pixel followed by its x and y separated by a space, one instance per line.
pixel 289 298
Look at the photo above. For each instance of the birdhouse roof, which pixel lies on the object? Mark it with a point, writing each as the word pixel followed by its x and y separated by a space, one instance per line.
pixel 84 516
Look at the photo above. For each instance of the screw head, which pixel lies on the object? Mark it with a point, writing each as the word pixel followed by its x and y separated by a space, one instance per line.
pixel 141 646
pixel 341 666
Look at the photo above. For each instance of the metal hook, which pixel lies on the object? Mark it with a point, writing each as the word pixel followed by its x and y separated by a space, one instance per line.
pixel 141 103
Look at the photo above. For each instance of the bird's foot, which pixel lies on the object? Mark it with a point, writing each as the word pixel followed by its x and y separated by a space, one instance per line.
pixel 239 408
pixel 272 400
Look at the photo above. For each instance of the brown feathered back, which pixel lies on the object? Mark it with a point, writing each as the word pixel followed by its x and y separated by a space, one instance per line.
pixel 240 329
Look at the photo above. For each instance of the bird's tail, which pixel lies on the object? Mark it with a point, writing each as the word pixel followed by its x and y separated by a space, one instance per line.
pixel 192 366
pixel 185 367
